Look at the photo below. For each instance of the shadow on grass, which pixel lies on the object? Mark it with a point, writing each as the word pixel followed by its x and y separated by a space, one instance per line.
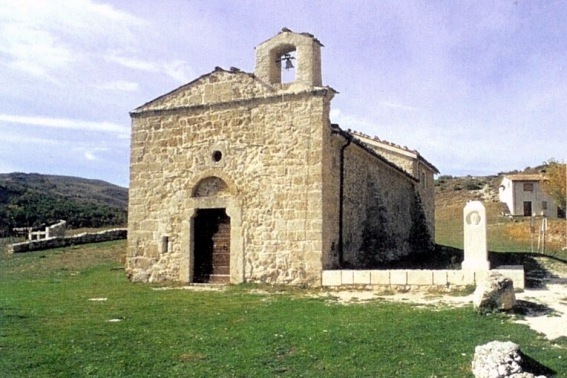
pixel 529 365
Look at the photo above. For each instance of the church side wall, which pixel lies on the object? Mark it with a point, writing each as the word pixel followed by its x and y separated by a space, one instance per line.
pixel 420 171
pixel 407 163
pixel 331 182
pixel 271 163
pixel 426 189
pixel 382 219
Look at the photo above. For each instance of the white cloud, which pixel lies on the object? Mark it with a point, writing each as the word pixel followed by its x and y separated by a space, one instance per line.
pixel 90 153
pixel 119 85
pixel 346 121
pixel 134 64
pixel 63 123
pixel 178 70
pixel 41 37
pixel 393 105
pixel 21 139
pixel 33 51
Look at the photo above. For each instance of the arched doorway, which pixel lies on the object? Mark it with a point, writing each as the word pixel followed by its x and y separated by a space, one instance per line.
pixel 212 246
pixel 214 232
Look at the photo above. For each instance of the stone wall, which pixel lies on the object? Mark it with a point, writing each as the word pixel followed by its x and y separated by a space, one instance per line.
pixel 270 150
pixel 415 165
pixel 274 164
pixel 383 219
pixel 58 242
pixel 415 279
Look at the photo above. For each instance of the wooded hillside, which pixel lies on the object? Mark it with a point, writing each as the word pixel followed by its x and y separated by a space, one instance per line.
pixel 28 200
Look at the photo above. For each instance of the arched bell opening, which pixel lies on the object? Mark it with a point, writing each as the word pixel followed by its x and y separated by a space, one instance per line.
pixel 287 65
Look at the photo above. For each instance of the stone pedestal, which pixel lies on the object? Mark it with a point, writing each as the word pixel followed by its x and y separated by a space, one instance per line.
pixel 476 249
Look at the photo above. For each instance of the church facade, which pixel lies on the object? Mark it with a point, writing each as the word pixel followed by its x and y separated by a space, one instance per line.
pixel 238 177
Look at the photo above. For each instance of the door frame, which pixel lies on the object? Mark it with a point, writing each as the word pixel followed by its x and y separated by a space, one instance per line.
pixel 528 205
pixel 237 253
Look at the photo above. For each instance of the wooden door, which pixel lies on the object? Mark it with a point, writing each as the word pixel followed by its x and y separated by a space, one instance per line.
pixel 527 208
pixel 212 246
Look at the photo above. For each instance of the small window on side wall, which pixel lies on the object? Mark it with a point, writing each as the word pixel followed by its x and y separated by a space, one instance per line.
pixel 528 187
pixel 165 244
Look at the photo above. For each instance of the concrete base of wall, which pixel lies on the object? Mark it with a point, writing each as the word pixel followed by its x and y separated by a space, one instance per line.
pixel 408 279
pixel 85 238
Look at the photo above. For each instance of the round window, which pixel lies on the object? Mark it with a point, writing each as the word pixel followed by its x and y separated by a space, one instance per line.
pixel 217 156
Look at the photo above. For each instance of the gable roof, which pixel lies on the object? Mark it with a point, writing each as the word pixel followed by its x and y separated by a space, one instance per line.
pixel 215 87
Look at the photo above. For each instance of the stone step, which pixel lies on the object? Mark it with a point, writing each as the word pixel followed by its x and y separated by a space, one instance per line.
pixel 219 279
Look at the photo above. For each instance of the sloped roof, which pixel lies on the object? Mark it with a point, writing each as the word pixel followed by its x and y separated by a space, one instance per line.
pixel 348 135
pixel 401 149
pixel 526 177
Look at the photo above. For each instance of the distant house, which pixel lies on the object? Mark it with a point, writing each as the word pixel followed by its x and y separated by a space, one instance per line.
pixel 524 195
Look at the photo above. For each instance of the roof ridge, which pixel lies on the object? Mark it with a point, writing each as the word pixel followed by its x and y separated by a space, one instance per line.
pixel 377 139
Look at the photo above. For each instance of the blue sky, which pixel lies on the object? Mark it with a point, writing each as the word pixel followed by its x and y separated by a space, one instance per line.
pixel 477 87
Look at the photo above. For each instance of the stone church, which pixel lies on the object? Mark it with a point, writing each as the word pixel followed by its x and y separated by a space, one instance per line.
pixel 241 177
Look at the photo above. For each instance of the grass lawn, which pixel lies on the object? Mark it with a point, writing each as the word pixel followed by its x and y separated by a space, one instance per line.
pixel 50 327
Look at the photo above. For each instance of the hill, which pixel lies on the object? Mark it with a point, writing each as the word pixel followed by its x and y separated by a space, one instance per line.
pixel 29 200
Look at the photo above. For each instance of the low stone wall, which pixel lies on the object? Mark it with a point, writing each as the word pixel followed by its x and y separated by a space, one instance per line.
pixel 84 238
pixel 409 279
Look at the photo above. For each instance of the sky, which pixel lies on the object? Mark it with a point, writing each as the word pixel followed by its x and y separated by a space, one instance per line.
pixel 477 87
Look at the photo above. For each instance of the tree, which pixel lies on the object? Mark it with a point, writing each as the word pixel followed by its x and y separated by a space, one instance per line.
pixel 554 185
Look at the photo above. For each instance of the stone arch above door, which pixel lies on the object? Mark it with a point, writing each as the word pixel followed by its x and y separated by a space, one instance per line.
pixel 213 190
pixel 212 183
pixel 211 187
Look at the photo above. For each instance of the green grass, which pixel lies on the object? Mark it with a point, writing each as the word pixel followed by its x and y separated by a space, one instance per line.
pixel 50 328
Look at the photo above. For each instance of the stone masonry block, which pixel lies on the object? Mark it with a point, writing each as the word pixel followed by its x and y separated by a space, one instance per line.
pixel 380 277
pixel 440 277
pixel 460 277
pixel 347 277
pixel 420 277
pixel 361 277
pixel 398 277
pixel 331 278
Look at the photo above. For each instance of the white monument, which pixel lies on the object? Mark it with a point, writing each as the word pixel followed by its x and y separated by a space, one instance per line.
pixel 476 249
